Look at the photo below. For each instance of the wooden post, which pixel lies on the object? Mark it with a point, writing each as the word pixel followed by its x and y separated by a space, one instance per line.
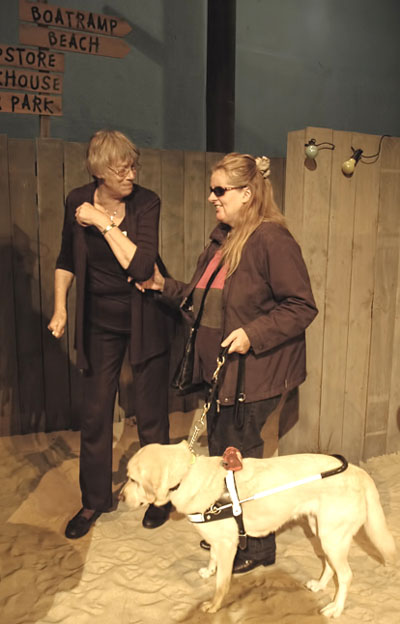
pixel 44 120
pixel 220 95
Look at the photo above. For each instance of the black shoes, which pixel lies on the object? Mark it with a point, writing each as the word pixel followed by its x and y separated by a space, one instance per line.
pixel 243 566
pixel 80 525
pixel 156 516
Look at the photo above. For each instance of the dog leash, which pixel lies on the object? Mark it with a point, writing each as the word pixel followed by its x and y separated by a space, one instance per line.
pixel 200 424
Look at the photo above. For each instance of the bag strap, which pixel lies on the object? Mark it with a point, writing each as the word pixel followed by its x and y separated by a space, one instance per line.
pixel 240 395
pixel 196 323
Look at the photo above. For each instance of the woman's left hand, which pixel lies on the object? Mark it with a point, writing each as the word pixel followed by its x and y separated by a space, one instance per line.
pixel 238 341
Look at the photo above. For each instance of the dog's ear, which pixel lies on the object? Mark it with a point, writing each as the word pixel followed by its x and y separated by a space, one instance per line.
pixel 150 495
pixel 145 478
pixel 152 477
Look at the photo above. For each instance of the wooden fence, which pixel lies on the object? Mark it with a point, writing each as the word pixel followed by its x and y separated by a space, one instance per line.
pixel 39 383
pixel 349 230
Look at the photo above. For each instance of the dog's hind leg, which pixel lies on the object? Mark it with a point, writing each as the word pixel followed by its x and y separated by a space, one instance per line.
pixel 336 549
pixel 316 585
pixel 224 554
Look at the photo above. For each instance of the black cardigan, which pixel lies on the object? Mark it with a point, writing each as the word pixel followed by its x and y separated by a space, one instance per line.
pixel 151 323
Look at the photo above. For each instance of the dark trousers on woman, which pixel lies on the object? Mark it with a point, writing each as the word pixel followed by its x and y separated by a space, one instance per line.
pixel 243 431
pixel 105 351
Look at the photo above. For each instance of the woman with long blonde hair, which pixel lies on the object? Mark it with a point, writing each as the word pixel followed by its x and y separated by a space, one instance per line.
pixel 259 305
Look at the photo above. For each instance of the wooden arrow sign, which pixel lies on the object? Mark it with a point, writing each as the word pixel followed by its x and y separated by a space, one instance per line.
pixel 59 17
pixel 72 41
pixel 30 103
pixel 34 59
pixel 28 80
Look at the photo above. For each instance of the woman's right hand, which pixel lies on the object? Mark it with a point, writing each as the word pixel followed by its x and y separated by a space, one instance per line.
pixel 155 282
pixel 57 323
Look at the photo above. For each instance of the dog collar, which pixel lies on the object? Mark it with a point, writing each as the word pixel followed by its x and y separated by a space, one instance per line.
pixel 192 461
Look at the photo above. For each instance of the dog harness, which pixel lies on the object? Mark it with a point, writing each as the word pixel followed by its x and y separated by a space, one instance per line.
pixel 229 505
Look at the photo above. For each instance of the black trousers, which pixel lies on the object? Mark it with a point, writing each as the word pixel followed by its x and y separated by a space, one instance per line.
pixel 245 434
pixel 106 351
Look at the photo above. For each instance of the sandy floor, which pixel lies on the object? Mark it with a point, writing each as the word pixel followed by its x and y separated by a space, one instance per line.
pixel 123 573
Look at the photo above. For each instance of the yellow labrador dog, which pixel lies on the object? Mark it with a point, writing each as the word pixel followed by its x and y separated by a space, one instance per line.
pixel 336 507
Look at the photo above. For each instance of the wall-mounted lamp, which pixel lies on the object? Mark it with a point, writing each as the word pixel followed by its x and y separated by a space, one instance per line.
pixel 349 165
pixel 358 154
pixel 311 148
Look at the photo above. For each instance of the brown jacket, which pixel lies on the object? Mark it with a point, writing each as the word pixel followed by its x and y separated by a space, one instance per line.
pixel 270 297
pixel 151 323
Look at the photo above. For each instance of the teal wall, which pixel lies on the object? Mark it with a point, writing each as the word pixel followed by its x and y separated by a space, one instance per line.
pixel 329 63
pixel 156 94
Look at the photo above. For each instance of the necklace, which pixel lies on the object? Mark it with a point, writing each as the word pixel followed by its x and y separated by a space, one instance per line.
pixel 113 215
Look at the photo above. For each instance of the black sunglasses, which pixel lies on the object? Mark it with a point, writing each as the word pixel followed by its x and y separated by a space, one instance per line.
pixel 221 190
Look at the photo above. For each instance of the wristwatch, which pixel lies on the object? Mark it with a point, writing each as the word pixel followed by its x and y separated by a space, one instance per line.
pixel 108 228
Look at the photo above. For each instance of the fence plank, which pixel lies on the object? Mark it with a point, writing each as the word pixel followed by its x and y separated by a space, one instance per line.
pixel 393 428
pixel 384 307
pixel 9 401
pixel 26 283
pixel 172 189
pixel 50 160
pixel 291 441
pixel 75 175
pixel 337 295
pixel 209 211
pixel 366 179
pixel 194 202
pixel 149 173
pixel 75 171
pixel 295 167
pixel 278 181
pixel 316 197
pixel 310 187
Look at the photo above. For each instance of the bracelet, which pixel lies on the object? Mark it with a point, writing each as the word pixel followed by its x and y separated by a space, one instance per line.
pixel 108 228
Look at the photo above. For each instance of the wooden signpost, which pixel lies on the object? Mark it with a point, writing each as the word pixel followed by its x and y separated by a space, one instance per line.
pixel 30 73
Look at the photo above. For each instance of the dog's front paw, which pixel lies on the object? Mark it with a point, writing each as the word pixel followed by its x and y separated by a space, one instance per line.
pixel 205 573
pixel 208 607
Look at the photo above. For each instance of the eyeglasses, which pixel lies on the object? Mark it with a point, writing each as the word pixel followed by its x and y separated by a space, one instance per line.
pixel 123 171
pixel 219 191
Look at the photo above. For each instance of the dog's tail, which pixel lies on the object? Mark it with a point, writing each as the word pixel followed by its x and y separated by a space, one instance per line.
pixel 375 524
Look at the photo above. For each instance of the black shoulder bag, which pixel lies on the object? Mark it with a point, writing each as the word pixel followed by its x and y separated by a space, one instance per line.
pixel 183 378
